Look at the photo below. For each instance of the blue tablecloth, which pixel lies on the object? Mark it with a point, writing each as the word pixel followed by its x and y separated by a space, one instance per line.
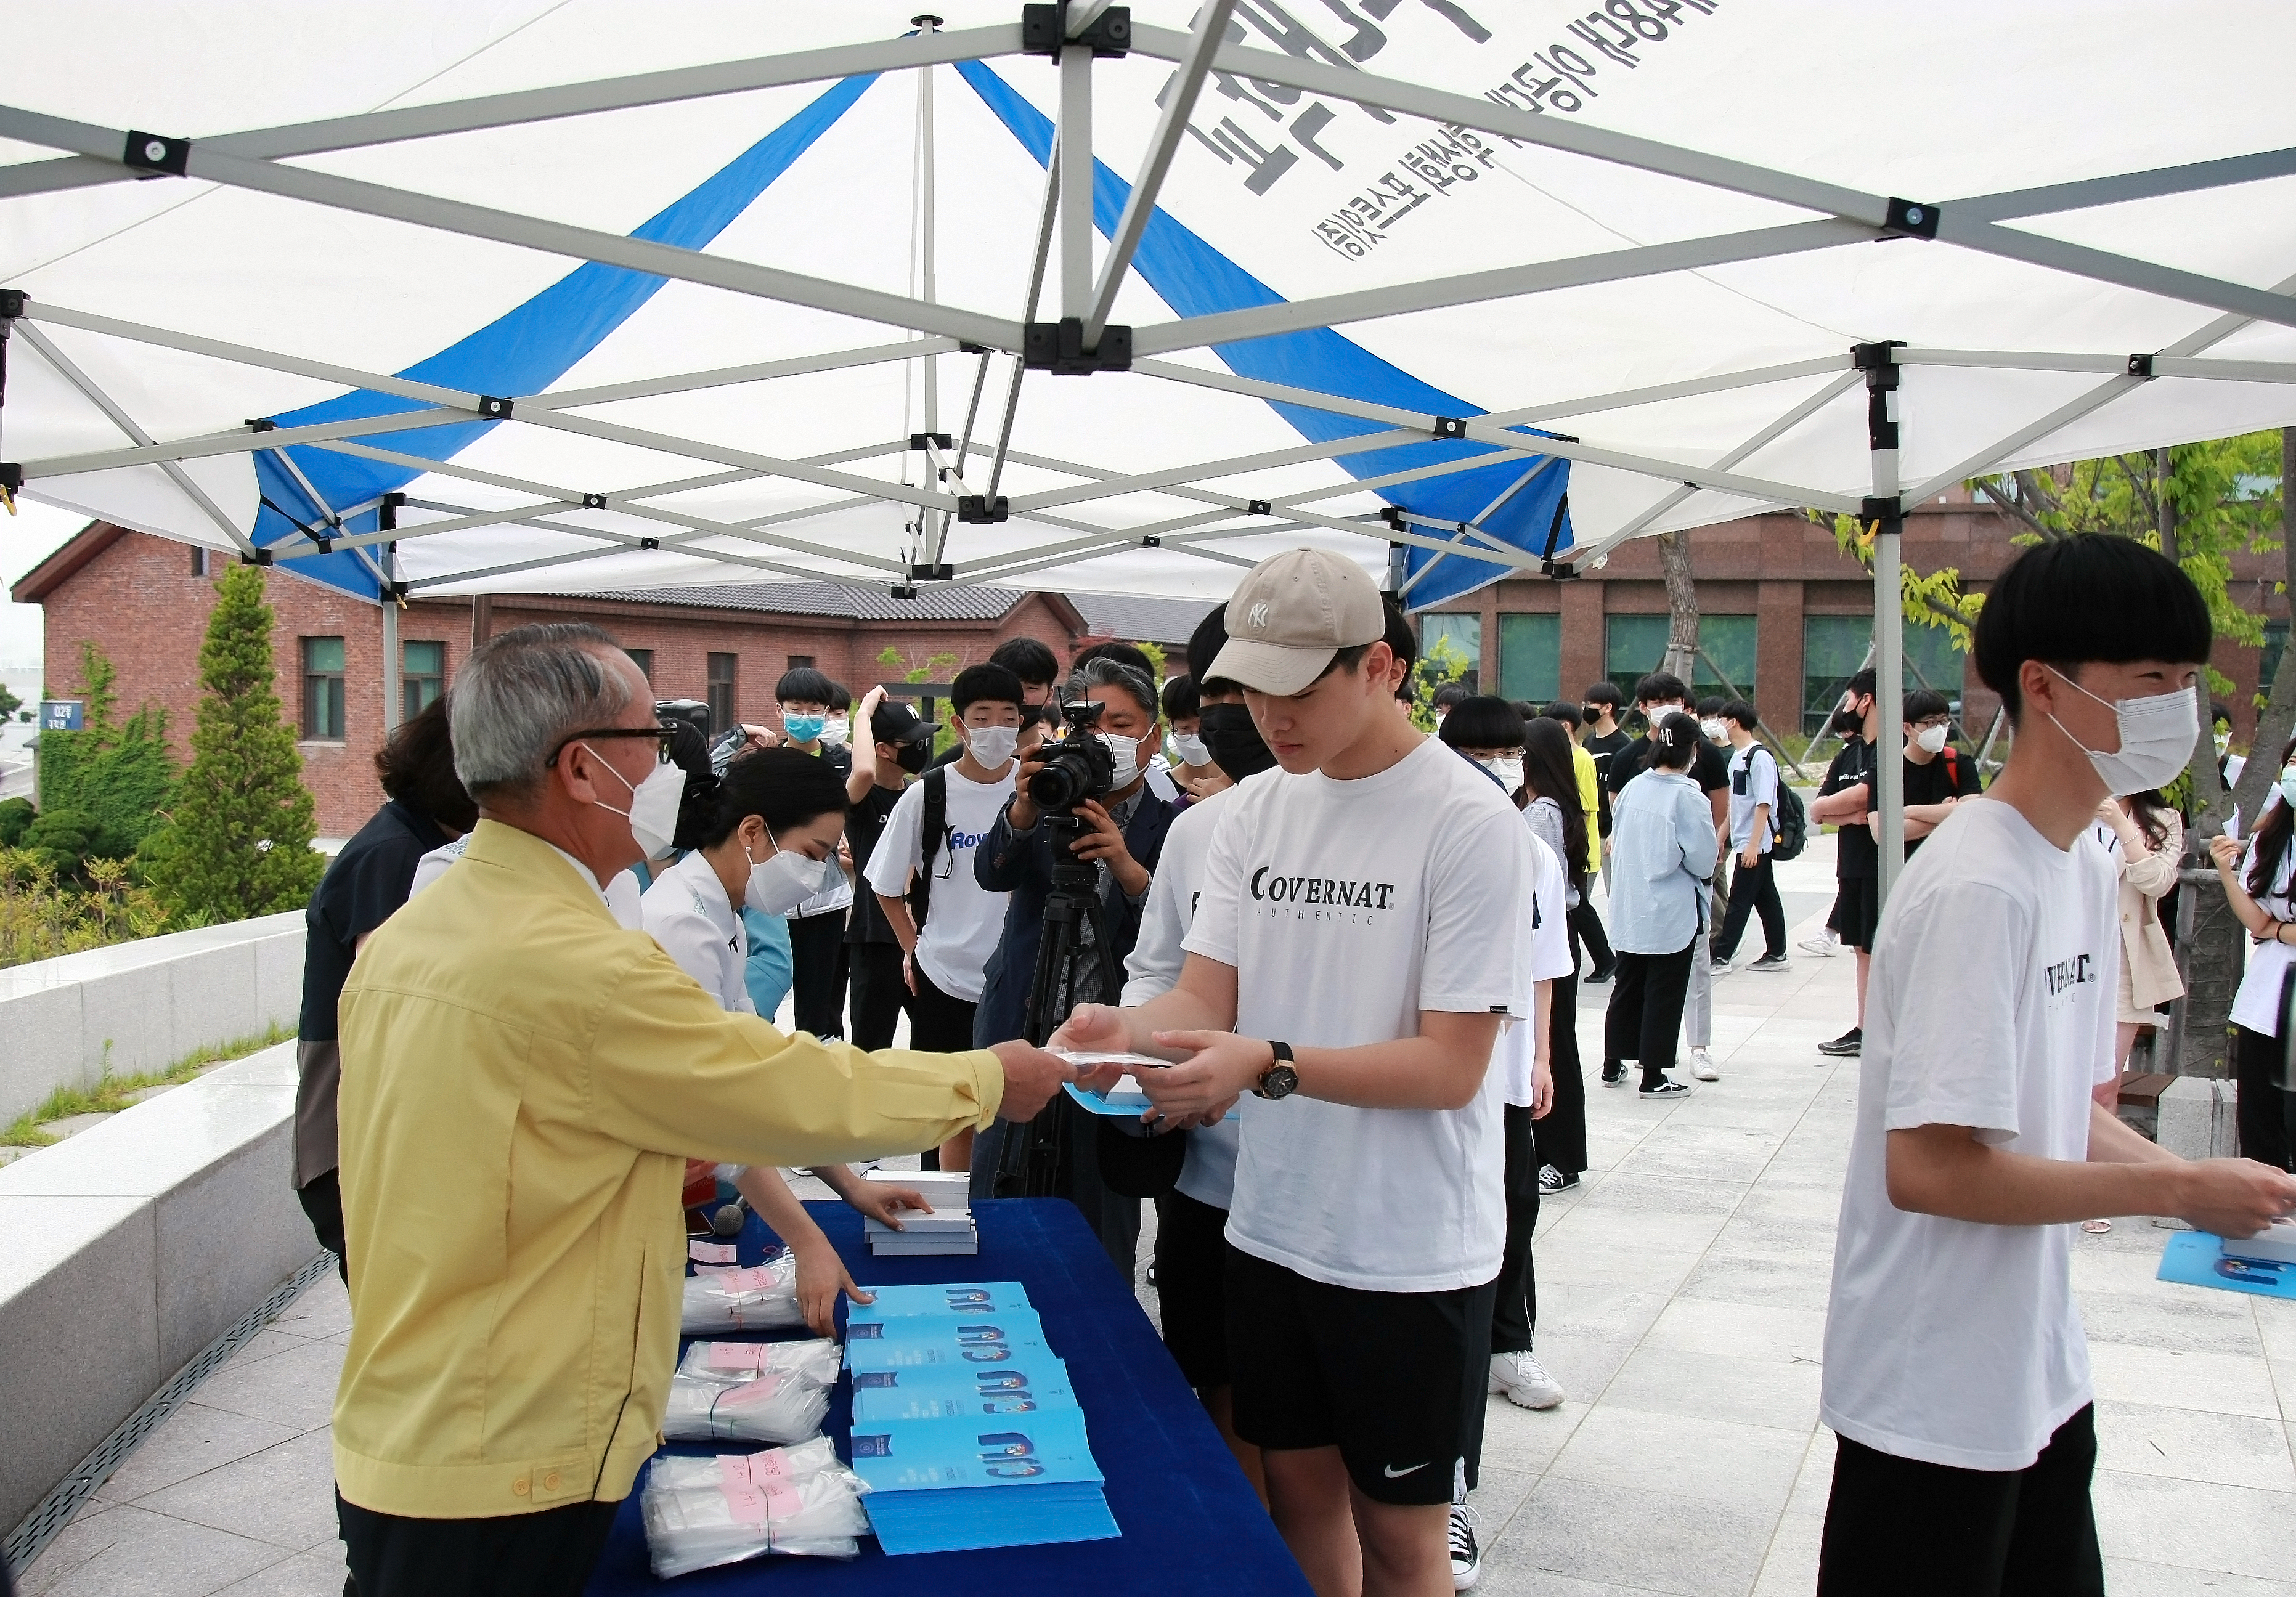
pixel 1189 1518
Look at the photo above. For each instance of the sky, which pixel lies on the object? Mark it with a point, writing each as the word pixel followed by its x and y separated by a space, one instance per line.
pixel 27 538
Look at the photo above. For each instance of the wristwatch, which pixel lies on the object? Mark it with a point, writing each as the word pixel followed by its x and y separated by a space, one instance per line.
pixel 1279 1080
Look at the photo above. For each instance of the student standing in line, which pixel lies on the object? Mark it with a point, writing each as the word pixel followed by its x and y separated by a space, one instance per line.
pixel 1753 824
pixel 1938 775
pixel 1662 849
pixel 1192 768
pixel 1844 801
pixel 1038 667
pixel 1957 1375
pixel 2260 895
pixel 946 924
pixel 779 817
pixel 1353 955
pixel 2145 837
pixel 1562 1132
pixel 894 750
pixel 816 928
pixel 1604 737
pixel 1595 800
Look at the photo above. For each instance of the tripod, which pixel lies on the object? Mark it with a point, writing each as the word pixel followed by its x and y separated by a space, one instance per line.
pixel 1035 1159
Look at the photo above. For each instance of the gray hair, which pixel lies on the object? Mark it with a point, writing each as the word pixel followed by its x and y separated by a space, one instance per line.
pixel 520 693
pixel 1105 673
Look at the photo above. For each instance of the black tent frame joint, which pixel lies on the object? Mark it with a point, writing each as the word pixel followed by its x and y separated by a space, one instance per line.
pixel 1887 511
pixel 261 424
pixel 2141 365
pixel 902 590
pixel 12 302
pixel 494 407
pixel 594 501
pixel 1561 570
pixel 974 510
pixel 1058 347
pixel 920 441
pixel 156 155
pixel 1257 507
pixel 1911 219
pixel 260 557
pixel 1151 542
pixel 1450 427
pixel 1044 30
pixel 1881 374
pixel 649 543
pixel 943 572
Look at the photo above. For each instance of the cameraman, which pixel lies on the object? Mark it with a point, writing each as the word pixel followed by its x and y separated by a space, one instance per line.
pixel 1125 838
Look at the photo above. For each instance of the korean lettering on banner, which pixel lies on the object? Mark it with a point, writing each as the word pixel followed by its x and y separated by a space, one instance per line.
pixel 1454 156
pixel 1242 137
pixel 1557 78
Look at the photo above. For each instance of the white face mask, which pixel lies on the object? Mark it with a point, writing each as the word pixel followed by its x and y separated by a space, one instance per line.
pixel 1125 752
pixel 992 746
pixel 1932 738
pixel 836 730
pixel 1717 731
pixel 2157 733
pixel 1507 768
pixel 1191 749
pixel 2288 787
pixel 779 884
pixel 652 814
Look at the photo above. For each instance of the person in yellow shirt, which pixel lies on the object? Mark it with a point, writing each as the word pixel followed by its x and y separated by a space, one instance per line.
pixel 521 1082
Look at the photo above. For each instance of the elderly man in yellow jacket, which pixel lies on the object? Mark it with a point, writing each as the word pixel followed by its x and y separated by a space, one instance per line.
pixel 521 1081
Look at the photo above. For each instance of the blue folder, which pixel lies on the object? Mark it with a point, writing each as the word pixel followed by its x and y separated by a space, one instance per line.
pixel 2194 1258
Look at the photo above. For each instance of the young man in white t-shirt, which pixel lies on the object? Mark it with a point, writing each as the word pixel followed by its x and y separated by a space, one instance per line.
pixel 1956 1374
pixel 948 956
pixel 1353 955
pixel 1754 821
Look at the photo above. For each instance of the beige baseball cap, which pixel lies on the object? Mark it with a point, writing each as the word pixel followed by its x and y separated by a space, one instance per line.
pixel 1292 615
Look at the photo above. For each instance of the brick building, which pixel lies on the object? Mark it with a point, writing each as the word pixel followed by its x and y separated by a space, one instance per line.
pixel 146 602
pixel 1783 615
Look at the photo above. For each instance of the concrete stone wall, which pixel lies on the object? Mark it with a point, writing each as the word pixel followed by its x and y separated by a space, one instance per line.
pixel 141 1007
pixel 127 1248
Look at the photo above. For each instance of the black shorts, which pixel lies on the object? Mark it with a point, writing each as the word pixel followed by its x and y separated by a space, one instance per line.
pixel 1857 910
pixel 1390 1379
pixel 1192 1285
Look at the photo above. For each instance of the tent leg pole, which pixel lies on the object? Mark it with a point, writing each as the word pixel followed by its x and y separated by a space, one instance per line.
pixel 1885 512
pixel 394 660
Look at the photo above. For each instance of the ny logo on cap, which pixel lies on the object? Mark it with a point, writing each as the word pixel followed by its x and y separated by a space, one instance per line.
pixel 1258 617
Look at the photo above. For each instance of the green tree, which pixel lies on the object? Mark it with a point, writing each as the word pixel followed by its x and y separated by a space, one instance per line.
pixel 931 668
pixel 239 843
pixel 9 703
pixel 1438 667
pixel 118 779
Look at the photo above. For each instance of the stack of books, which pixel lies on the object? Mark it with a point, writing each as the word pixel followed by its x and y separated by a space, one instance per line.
pixel 948 1230
pixel 965 1424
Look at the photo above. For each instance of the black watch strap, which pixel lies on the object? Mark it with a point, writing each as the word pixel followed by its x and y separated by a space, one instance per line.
pixel 1279 1079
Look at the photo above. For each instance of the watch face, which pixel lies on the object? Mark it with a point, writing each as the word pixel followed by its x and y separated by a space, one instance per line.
pixel 1278 1082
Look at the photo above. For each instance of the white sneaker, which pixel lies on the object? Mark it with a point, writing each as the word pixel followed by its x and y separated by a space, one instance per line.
pixel 1703 1066
pixel 1466 1558
pixel 1524 1380
pixel 1824 945
pixel 1717 969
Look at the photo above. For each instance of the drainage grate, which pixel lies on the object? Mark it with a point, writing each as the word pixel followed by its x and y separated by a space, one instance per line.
pixel 54 1512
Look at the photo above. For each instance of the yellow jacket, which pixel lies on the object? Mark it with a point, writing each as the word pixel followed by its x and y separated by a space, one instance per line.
pixel 521 1080
pixel 1590 800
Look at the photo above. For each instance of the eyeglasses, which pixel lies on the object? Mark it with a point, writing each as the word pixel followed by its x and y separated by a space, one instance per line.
pixel 661 734
pixel 1926 721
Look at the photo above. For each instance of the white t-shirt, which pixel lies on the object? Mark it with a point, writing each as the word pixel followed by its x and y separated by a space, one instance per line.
pixel 1152 967
pixel 1543 937
pixel 688 912
pixel 1347 909
pixel 2257 1004
pixel 1990 1004
pixel 621 895
pixel 966 920
pixel 1753 782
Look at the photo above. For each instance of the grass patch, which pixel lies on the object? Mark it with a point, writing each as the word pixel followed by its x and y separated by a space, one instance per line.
pixel 109 1093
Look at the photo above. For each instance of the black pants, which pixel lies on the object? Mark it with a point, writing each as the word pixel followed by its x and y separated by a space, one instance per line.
pixel 1514 1315
pixel 1898 1526
pixel 1644 1019
pixel 1562 1135
pixel 1192 1287
pixel 879 997
pixel 1754 888
pixel 544 1554
pixel 322 1205
pixel 818 973
pixel 1586 926
pixel 938 1023
pixel 2268 1115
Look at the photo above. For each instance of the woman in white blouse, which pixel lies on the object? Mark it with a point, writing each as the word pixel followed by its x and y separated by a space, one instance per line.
pixel 2259 889
pixel 779 814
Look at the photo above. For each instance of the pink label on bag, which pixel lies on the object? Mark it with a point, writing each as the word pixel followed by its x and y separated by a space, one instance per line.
pixel 739 1355
pixel 755 1488
pixel 769 1467
pixel 759 1279
pixel 749 1392
pixel 709 1253
pixel 744 1500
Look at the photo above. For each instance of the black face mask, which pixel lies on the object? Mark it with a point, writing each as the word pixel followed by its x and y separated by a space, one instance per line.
pixel 1234 743
pixel 1848 723
pixel 912 756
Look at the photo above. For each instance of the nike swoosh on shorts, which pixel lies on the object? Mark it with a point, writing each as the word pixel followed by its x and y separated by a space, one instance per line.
pixel 1393 1473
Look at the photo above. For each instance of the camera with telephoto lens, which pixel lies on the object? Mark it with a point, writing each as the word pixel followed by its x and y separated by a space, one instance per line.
pixel 1078 767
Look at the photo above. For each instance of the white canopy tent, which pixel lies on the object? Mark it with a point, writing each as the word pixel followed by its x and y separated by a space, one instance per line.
pixel 410 299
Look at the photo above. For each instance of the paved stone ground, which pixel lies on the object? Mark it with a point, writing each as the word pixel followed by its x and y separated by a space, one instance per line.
pixel 1682 1298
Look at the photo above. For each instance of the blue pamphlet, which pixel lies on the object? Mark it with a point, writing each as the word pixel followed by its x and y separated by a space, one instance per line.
pixel 933 1340
pixel 2194 1258
pixel 914 1455
pixel 1125 1099
pixel 963 1298
pixel 940 1391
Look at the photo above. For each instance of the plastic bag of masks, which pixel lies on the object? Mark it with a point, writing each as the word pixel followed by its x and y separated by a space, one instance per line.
pixel 764 1298
pixel 703 1512
pixel 751 1391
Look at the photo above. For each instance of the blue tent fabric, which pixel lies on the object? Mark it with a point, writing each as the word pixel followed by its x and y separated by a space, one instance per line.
pixel 1195 280
pixel 522 351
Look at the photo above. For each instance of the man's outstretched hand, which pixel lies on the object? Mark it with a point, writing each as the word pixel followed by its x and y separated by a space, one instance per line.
pixel 1032 1076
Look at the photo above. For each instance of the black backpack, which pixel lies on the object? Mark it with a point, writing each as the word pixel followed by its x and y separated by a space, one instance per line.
pixel 932 838
pixel 1790 826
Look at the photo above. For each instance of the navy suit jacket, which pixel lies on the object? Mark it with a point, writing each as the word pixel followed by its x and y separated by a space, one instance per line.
pixel 1021 865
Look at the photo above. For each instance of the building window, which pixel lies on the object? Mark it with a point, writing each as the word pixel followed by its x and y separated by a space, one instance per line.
pixel 800 662
pixel 200 565
pixel 423 676
pixel 643 659
pixel 721 690
pixel 1463 634
pixel 1530 657
pixel 323 688
pixel 1834 648
pixel 1633 646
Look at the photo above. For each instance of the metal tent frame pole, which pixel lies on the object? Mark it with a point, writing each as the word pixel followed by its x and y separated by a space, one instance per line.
pixel 1885 512
pixel 394 691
